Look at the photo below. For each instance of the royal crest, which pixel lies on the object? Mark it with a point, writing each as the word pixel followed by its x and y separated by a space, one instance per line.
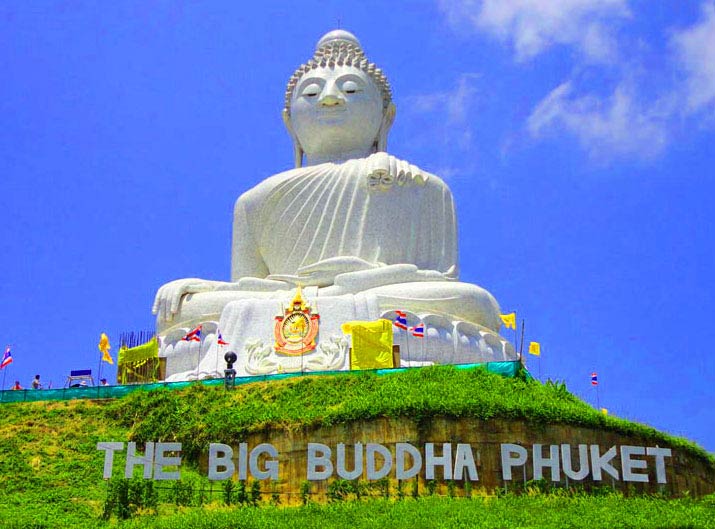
pixel 296 328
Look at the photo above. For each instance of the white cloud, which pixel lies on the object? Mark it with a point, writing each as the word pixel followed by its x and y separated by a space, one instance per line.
pixel 455 104
pixel 626 122
pixel 605 126
pixel 617 102
pixel 695 51
pixel 533 26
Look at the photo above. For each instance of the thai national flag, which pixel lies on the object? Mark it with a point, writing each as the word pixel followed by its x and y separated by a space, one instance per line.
pixel 400 320
pixel 7 358
pixel 594 379
pixel 418 330
pixel 220 340
pixel 193 336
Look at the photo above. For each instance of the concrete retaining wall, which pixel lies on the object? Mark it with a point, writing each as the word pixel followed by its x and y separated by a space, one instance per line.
pixel 684 472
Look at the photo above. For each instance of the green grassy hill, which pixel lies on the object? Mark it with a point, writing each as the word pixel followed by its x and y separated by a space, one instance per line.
pixel 50 470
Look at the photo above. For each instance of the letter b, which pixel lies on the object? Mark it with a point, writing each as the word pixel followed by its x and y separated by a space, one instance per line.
pixel 319 456
pixel 220 455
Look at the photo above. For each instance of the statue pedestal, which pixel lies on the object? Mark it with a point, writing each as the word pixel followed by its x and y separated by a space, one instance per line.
pixel 249 327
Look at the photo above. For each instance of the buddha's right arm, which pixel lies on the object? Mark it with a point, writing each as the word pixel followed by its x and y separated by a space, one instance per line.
pixel 167 302
pixel 168 298
pixel 246 258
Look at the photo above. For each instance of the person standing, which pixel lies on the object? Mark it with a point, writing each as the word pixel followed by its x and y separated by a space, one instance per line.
pixel 36 384
pixel 17 386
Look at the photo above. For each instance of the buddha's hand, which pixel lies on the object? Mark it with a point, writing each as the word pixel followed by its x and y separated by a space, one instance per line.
pixel 323 273
pixel 384 171
pixel 168 298
pixel 360 281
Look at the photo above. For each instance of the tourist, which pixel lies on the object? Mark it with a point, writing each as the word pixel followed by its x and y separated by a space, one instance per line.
pixel 104 382
pixel 36 384
pixel 17 385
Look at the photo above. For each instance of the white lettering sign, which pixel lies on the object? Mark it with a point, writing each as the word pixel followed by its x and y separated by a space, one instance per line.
pixel 592 463
pixel 373 461
pixel 155 458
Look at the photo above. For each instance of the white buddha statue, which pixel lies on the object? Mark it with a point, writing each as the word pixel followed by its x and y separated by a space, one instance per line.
pixel 364 234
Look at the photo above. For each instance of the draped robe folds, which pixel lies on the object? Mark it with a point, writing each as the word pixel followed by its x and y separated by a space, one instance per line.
pixel 308 215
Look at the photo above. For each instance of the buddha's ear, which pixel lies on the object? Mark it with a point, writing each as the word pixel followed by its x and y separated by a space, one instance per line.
pixel 297 149
pixel 387 118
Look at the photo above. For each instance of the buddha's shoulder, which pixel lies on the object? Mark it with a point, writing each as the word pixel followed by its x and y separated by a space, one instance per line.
pixel 269 184
pixel 376 169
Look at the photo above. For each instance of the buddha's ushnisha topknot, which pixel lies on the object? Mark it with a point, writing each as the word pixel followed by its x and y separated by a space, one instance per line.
pixel 340 48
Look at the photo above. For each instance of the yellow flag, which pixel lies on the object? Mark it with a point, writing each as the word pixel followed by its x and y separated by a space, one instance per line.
pixel 535 348
pixel 105 347
pixel 372 344
pixel 509 320
pixel 604 411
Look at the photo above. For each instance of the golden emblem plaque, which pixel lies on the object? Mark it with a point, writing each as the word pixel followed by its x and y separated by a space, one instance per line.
pixel 295 330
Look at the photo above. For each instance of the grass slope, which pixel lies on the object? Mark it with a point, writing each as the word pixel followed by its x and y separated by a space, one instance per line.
pixel 50 470
pixel 512 512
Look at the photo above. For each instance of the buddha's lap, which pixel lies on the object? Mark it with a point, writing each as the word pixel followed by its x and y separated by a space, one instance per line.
pixel 459 301
pixel 456 300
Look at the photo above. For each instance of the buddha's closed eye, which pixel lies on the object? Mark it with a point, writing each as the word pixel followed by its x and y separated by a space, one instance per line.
pixel 350 87
pixel 311 90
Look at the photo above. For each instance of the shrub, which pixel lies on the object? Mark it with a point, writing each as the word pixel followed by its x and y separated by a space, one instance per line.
pixel 228 492
pixel 182 492
pixel 431 487
pixel 339 489
pixel 241 494
pixel 275 494
pixel 255 494
pixel 305 487
pixel 416 488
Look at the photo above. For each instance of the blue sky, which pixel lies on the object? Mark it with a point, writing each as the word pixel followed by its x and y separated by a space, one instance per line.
pixel 578 137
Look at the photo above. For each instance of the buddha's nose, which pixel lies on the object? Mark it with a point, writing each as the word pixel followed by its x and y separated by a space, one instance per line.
pixel 330 100
pixel 330 96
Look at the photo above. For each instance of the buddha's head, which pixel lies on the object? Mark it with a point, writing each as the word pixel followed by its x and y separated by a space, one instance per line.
pixel 338 104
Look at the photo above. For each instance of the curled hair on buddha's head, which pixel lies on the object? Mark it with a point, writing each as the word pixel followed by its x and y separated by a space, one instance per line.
pixel 342 48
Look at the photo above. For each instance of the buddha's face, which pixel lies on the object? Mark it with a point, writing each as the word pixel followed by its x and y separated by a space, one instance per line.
pixel 336 110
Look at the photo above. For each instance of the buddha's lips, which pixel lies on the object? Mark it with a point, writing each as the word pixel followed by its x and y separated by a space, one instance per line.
pixel 332 110
pixel 327 115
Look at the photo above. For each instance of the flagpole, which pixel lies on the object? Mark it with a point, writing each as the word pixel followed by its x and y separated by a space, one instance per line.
pixel 424 339
pixel 598 400
pixel 218 346
pixel 521 347
pixel 302 342
pixel 99 369
pixel 198 355
pixel 407 343
pixel 4 370
pixel 302 353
